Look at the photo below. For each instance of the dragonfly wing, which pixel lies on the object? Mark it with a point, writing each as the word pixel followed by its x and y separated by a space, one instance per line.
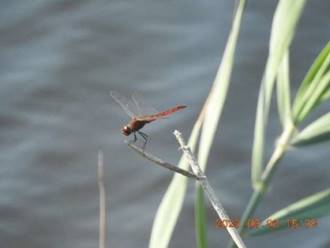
pixel 143 108
pixel 129 106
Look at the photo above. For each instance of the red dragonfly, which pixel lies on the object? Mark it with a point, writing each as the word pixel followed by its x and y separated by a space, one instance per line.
pixel 140 114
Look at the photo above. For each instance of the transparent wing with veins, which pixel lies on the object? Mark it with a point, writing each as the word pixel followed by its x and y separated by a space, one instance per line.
pixel 134 107
pixel 127 104
pixel 142 107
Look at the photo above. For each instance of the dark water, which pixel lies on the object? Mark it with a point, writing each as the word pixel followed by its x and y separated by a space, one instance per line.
pixel 58 62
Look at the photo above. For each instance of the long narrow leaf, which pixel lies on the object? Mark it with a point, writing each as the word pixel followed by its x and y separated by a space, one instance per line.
pixel 219 90
pixel 316 132
pixel 214 109
pixel 306 209
pixel 283 28
pixel 319 67
pixel 313 71
pixel 171 204
pixel 326 95
pixel 316 97
pixel 283 91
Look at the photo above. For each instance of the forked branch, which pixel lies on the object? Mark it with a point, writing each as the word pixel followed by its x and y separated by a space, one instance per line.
pixel 199 176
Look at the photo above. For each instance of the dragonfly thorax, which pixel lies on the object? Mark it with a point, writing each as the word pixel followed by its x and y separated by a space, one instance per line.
pixel 126 130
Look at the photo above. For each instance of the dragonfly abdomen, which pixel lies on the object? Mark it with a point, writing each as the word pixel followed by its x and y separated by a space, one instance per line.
pixel 166 112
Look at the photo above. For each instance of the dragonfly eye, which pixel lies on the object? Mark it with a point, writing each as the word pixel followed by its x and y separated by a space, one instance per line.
pixel 126 130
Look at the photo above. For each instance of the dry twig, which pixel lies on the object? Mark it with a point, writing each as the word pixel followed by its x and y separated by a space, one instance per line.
pixel 199 176
pixel 162 163
pixel 208 189
pixel 103 227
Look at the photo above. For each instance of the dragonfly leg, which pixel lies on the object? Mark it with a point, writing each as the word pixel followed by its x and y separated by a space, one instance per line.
pixel 134 137
pixel 145 137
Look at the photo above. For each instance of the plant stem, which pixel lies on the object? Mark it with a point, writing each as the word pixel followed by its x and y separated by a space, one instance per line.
pixel 209 191
pixel 103 218
pixel 259 191
pixel 251 207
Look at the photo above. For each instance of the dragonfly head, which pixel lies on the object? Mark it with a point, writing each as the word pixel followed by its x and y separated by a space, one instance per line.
pixel 126 130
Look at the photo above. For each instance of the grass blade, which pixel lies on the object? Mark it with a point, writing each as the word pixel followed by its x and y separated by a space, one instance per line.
pixel 219 90
pixel 312 73
pixel 214 107
pixel 326 95
pixel 316 132
pixel 310 84
pixel 171 204
pixel 283 92
pixel 316 96
pixel 311 207
pixel 284 24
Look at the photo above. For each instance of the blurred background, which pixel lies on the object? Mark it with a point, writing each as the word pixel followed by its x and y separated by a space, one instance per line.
pixel 58 62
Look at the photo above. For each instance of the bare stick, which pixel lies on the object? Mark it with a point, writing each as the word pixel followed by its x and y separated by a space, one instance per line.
pixel 208 190
pixel 103 228
pixel 162 163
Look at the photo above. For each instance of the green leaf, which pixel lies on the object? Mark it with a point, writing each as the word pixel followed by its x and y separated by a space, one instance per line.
pixel 219 90
pixel 284 24
pixel 313 206
pixel 171 204
pixel 311 92
pixel 326 95
pixel 316 97
pixel 200 219
pixel 317 131
pixel 283 92
pixel 313 72
pixel 214 107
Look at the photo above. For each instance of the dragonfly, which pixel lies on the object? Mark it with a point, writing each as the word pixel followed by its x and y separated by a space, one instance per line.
pixel 140 114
